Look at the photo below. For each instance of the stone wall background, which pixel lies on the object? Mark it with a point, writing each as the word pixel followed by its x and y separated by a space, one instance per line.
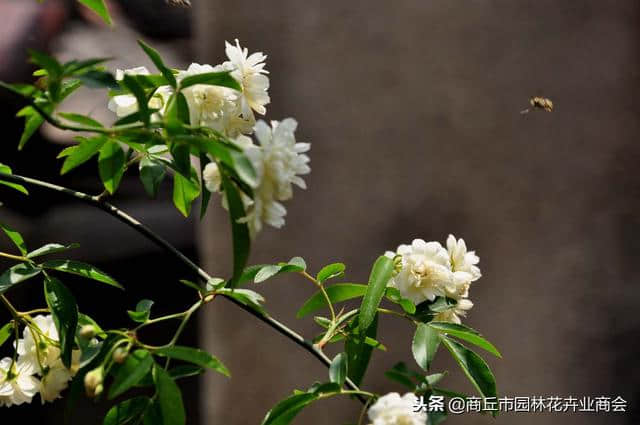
pixel 412 109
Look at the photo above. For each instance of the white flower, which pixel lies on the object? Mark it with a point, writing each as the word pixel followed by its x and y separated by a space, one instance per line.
pixel 454 313
pixel 425 273
pixel 54 381
pixel 47 334
pixel 126 104
pixel 214 106
pixel 461 259
pixel 279 161
pixel 249 71
pixel 211 177
pixel 17 383
pixel 392 409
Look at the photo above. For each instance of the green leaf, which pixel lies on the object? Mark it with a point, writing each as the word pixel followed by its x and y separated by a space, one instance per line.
pixel 195 356
pixel 181 159
pixel 83 319
pixel 298 262
pixel 99 80
pixel 81 269
pixel 127 412
pixel 465 333
pixel 15 237
pixel 380 275
pixel 132 84
pixel 403 375
pixel 245 297
pixel 473 366
pixel 46 62
pixel 16 274
pixel 284 412
pixel 81 153
pixel 65 315
pixel 142 312
pixel 359 352
pixel 157 61
pixel 239 231
pixel 33 121
pixel 185 191
pixel 330 271
pixel 223 79
pixel 338 369
pixel 5 332
pixel 424 346
pixel 337 293
pixel 74 67
pixel 266 272
pixel 98 7
pixel 433 379
pixel 394 296
pixel 177 113
pixel 169 398
pixel 7 170
pixel 151 174
pixel 51 248
pixel 111 165
pixel 81 119
pixel 134 368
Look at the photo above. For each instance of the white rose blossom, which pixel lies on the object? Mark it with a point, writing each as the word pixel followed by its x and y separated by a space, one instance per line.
pixel 17 382
pixel 427 270
pixel 215 107
pixel 279 162
pixel 40 351
pixel 248 70
pixel 393 409
pixel 211 177
pixel 126 104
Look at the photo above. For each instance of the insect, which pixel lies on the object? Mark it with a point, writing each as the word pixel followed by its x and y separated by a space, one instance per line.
pixel 540 103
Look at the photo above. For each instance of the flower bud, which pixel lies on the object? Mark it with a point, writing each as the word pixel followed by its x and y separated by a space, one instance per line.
pixel 93 382
pixel 397 265
pixel 120 355
pixel 88 331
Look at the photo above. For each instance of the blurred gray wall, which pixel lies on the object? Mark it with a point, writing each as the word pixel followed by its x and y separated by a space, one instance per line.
pixel 412 109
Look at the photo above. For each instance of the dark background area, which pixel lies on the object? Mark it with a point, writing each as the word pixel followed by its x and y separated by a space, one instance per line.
pixel 413 112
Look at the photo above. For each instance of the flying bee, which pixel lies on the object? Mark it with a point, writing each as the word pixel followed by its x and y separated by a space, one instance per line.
pixel 539 103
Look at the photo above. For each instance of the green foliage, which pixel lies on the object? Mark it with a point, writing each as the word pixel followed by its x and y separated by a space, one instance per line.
pixel 65 315
pixel 330 271
pixel 359 352
pixel 81 269
pixel 5 332
pixel 112 165
pixel 223 79
pixel 51 248
pixel 465 333
pixel 15 237
pixel 195 356
pixel 171 407
pixel 127 411
pixel 136 366
pixel 380 276
pixel 7 170
pixel 82 152
pixel 152 173
pixel 239 230
pixel 337 293
pixel 338 369
pixel 142 311
pixel 424 346
pixel 185 191
pixel 99 7
pixel 473 366
pixel 16 274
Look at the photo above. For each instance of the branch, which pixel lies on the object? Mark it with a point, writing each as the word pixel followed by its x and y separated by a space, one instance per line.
pixel 158 240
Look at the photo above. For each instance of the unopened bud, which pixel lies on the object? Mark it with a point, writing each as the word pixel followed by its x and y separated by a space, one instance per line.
pixel 93 382
pixel 120 355
pixel 397 265
pixel 88 331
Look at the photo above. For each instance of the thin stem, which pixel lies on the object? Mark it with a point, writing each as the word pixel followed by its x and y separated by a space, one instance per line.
pixel 324 293
pixel 10 307
pixel 13 257
pixel 161 242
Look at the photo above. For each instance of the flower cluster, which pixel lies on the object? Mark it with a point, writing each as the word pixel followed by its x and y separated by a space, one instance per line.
pixel 37 367
pixel 393 409
pixel 278 160
pixel 427 270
